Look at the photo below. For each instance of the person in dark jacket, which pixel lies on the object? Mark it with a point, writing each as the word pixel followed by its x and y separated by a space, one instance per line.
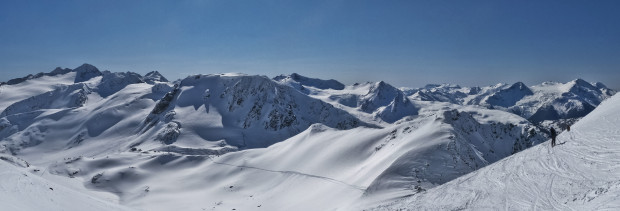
pixel 553 134
pixel 568 128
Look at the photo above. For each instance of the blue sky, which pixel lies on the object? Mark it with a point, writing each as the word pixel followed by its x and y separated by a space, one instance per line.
pixel 406 43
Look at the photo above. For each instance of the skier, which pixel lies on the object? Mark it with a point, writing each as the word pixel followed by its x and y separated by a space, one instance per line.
pixel 568 128
pixel 553 134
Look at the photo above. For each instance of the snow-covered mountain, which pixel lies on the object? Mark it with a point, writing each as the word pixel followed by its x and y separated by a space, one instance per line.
pixel 300 81
pixel 547 101
pixel 210 113
pixel 153 77
pixel 234 141
pixel 239 110
pixel 377 102
pixel 581 173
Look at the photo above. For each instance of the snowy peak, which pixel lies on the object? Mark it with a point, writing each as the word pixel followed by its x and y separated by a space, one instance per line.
pixel 547 101
pixel 389 103
pixel 380 94
pixel 399 107
pixel 85 72
pixel 312 82
pixel 386 102
pixel 509 96
pixel 585 89
pixel 380 101
pixel 582 83
pixel 154 76
pixel 520 86
pixel 262 110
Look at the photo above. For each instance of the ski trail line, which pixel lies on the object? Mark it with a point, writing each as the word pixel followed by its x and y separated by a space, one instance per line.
pixel 360 188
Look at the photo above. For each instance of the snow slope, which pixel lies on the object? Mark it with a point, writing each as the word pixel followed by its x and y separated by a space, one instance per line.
pixel 581 173
pixel 22 189
pixel 335 168
pixel 20 91
pixel 234 141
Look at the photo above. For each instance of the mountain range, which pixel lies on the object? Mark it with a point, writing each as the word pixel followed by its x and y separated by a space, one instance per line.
pixel 236 141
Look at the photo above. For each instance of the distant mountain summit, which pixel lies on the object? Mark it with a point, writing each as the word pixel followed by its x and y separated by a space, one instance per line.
pixel 154 76
pixel 510 96
pixel 309 82
pixel 547 101
pixel 85 72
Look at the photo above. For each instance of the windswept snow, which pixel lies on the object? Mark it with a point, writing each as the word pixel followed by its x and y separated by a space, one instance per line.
pixel 580 173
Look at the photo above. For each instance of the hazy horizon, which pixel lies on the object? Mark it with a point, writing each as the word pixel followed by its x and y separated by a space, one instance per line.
pixel 344 81
pixel 405 43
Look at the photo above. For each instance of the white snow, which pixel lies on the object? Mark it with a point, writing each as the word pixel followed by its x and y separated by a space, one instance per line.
pixel 17 92
pixel 22 189
pixel 547 101
pixel 580 173
pixel 236 141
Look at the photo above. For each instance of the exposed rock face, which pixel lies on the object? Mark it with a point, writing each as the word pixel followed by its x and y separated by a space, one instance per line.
pixel 153 77
pixel 312 82
pixel 114 82
pixel 86 72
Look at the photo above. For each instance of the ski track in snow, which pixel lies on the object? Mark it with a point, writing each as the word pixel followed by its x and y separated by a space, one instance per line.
pixel 582 168
pixel 360 188
pixel 580 173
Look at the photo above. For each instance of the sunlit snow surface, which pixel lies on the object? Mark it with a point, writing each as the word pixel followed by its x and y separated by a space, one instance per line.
pixel 580 173
pixel 234 141
pixel 23 189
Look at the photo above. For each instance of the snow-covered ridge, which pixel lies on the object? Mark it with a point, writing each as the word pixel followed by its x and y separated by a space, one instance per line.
pixel 255 106
pixel 547 101
pixel 64 96
pixel 300 81
pixel 580 173
pixel 57 71
pixel 377 102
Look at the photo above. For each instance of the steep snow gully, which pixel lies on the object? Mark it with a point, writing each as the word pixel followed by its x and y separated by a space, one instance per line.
pixel 120 140
pixel 581 173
